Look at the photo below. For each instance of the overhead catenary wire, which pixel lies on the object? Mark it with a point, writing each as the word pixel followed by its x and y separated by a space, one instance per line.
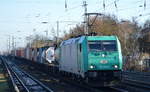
pixel 109 5
pixel 104 5
pixel 71 8
pixel 67 12
pixel 142 15
pixel 144 4
pixel 113 3
pixel 137 1
pixel 116 5
pixel 66 6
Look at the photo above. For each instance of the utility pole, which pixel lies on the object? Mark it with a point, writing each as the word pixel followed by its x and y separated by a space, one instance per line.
pixel 13 45
pixel 9 44
pixel 85 18
pixel 57 31
pixel 46 31
pixel 46 40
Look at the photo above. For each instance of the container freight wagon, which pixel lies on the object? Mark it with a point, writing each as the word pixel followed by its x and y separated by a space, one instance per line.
pixel 39 56
pixel 20 53
pixel 50 58
pixel 91 57
pixel 34 54
pixel 28 53
pixel 47 55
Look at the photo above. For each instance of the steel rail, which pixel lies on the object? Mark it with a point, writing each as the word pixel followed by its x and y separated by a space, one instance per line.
pixel 25 87
pixel 49 90
pixel 12 80
pixel 137 83
pixel 11 72
pixel 119 89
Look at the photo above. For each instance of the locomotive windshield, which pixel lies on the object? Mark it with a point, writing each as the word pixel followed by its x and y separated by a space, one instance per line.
pixel 109 45
pixel 102 45
pixel 95 45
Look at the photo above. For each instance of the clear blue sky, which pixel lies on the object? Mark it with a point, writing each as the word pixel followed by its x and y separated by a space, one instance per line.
pixel 26 15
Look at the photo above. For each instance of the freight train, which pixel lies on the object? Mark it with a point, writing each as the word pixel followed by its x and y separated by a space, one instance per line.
pixel 93 59
pixel 43 55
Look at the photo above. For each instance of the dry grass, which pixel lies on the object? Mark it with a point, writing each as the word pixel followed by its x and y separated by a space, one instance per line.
pixel 3 82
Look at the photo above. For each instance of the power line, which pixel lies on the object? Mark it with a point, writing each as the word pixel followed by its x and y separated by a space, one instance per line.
pixel 138 1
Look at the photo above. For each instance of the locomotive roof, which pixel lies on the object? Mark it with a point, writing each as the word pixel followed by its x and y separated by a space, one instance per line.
pixel 102 38
pixel 73 40
pixel 80 39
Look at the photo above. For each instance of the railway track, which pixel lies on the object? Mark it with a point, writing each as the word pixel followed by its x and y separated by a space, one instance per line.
pixel 22 81
pixel 137 83
pixel 137 79
pixel 94 89
pixel 138 86
pixel 117 89
pixel 73 83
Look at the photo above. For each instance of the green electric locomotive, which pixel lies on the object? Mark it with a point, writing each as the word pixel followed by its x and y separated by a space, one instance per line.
pixel 91 58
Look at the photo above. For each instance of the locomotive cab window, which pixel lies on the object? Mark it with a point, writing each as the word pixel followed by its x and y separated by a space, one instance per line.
pixel 102 45
pixel 109 45
pixel 95 46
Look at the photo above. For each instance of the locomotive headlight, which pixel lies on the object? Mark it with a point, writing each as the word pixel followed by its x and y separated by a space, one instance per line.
pixel 103 55
pixel 91 66
pixel 115 66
